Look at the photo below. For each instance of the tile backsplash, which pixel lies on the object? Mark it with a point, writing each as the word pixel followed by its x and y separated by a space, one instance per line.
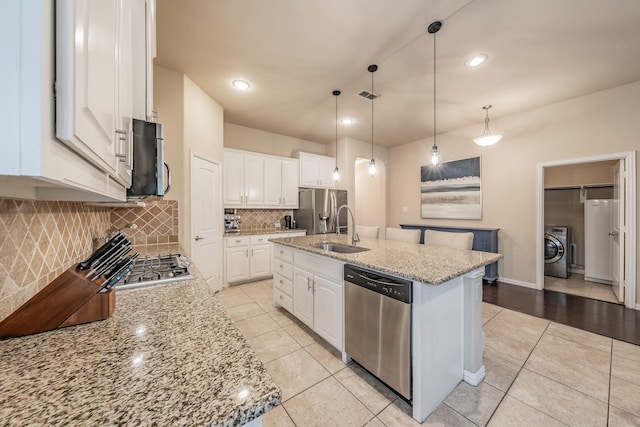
pixel 38 241
pixel 157 222
pixel 261 219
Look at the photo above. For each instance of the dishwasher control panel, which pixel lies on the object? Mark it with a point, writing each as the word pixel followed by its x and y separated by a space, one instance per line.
pixel 392 287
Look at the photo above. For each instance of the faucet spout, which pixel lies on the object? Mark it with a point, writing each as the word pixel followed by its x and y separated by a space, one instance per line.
pixel 354 236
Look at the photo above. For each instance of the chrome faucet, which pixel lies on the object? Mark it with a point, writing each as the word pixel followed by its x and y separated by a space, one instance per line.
pixel 354 236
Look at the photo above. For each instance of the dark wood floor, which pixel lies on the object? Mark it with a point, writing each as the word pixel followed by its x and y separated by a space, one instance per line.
pixel 600 317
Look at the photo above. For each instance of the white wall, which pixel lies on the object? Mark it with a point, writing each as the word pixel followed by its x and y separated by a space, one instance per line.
pixel 244 138
pixel 595 124
pixel 192 121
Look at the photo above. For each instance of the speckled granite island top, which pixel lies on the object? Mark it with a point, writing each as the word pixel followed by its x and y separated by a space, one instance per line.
pixel 170 355
pixel 427 264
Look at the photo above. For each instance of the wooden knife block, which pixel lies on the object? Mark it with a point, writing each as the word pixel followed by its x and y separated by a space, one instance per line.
pixel 69 300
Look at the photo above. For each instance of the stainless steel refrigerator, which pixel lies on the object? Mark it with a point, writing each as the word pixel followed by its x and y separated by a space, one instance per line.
pixel 318 210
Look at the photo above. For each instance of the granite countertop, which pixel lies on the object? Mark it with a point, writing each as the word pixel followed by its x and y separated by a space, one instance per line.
pixel 170 355
pixel 253 232
pixel 427 264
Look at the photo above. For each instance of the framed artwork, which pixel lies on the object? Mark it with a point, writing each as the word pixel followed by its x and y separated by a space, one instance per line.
pixel 451 190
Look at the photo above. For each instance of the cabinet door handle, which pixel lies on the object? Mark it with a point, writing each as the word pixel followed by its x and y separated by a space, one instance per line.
pixel 281 266
pixel 199 238
pixel 281 282
pixel 251 252
pixel 281 298
pixel 247 253
pixel 308 283
pixel 281 252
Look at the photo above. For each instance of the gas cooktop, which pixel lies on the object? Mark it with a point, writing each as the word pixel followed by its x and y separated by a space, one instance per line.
pixel 156 270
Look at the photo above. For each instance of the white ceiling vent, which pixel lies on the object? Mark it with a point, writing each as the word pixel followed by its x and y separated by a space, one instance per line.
pixel 368 95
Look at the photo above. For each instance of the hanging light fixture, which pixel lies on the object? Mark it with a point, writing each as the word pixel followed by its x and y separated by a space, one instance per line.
pixel 433 28
pixel 372 165
pixel 487 137
pixel 336 171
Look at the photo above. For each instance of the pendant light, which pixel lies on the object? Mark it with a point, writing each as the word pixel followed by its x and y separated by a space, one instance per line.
pixel 487 137
pixel 372 165
pixel 433 28
pixel 336 172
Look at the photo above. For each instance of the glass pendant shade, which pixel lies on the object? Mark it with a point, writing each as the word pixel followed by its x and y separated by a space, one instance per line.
pixel 487 140
pixel 487 137
pixel 336 174
pixel 372 168
pixel 435 156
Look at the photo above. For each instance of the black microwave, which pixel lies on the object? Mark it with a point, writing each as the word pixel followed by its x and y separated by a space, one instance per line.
pixel 148 177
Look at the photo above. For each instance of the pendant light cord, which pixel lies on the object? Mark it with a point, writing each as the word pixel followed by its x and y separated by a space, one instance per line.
pixel 336 128
pixel 372 93
pixel 434 91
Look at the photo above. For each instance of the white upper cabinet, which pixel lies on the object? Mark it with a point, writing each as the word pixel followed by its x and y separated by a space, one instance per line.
pixel 281 182
pixel 259 180
pixel 144 50
pixel 316 171
pixel 69 64
pixel 243 179
pixel 94 87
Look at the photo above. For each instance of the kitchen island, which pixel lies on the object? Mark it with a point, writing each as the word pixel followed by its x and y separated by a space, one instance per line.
pixel 170 355
pixel 447 342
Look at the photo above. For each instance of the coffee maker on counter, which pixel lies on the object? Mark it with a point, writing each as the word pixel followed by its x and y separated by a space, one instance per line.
pixel 231 221
pixel 287 222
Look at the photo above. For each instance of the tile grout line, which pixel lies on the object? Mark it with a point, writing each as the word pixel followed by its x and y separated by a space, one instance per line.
pixel 610 378
pixel 516 377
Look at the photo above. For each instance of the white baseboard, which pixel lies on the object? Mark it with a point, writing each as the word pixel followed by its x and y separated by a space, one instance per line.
pixel 474 378
pixel 517 282
pixel 576 270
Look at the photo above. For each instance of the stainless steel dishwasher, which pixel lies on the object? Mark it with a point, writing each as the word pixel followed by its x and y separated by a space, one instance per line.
pixel 377 310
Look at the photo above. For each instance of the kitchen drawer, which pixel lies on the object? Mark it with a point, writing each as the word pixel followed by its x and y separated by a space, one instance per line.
pixel 283 284
pixel 260 239
pixel 283 253
pixel 282 268
pixel 236 241
pixel 283 300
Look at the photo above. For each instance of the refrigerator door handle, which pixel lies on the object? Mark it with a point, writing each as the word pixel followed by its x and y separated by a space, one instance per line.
pixel 334 211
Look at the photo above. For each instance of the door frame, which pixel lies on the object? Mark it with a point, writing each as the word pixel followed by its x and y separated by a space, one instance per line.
pixel 630 213
pixel 192 155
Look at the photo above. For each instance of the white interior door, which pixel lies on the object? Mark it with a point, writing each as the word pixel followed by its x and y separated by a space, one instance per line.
pixel 617 233
pixel 206 228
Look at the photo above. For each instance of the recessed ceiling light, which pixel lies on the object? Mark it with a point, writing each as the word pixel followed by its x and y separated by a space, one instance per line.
pixel 475 60
pixel 241 84
pixel 346 122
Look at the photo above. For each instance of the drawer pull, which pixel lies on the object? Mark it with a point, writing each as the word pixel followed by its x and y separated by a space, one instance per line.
pixel 281 252
pixel 281 298
pixel 238 241
pixel 281 282
pixel 281 266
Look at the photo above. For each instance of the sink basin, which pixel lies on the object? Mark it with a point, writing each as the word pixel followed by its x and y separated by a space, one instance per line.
pixel 338 247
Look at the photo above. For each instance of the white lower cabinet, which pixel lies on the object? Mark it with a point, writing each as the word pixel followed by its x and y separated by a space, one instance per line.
pixel 247 257
pixel 314 284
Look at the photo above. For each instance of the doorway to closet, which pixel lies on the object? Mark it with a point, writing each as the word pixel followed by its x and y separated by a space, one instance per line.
pixel 584 220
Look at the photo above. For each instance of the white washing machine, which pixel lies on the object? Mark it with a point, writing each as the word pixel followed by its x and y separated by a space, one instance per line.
pixel 556 251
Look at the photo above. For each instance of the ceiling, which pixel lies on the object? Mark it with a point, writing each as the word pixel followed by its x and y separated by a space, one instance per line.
pixel 295 53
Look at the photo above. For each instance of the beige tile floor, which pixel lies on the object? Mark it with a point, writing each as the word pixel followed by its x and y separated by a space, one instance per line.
pixel 539 373
pixel 576 285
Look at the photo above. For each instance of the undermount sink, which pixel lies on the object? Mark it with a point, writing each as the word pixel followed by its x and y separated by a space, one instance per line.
pixel 338 247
